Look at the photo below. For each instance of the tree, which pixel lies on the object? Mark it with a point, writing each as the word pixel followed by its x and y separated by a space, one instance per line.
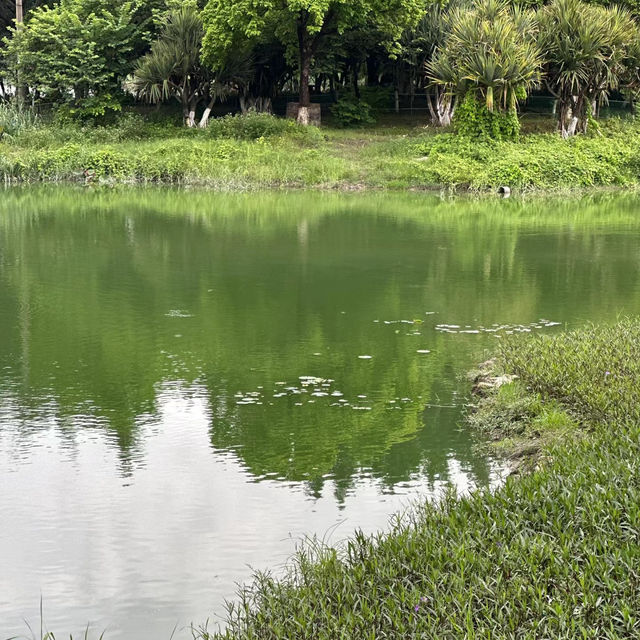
pixel 75 52
pixel 590 51
pixel 173 68
pixel 491 55
pixel 419 46
pixel 302 25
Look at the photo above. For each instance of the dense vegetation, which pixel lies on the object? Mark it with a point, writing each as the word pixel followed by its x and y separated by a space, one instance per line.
pixel 473 62
pixel 552 554
pixel 77 78
pixel 260 151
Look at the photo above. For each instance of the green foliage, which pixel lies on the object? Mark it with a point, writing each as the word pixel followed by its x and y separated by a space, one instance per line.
pixel 253 126
pixel 595 371
pixel 349 111
pixel 302 26
pixel 519 422
pixel 507 412
pixel 91 108
pixel 271 151
pixel 378 98
pixel 537 161
pixel 172 67
pixel 225 22
pixel 75 50
pixel 590 50
pixel 106 162
pixel 474 120
pixel 14 119
pixel 491 51
pixel 237 152
pixel 548 555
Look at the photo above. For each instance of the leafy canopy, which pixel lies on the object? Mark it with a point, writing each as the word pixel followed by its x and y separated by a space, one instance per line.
pixel 229 21
pixel 76 48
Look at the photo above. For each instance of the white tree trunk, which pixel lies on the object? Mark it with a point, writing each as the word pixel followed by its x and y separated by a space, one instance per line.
pixel 204 121
pixel 303 115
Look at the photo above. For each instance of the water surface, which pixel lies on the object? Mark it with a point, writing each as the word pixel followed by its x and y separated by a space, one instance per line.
pixel 191 382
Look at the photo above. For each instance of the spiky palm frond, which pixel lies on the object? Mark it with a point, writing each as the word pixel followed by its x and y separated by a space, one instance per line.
pixel 490 49
pixel 587 47
pixel 174 58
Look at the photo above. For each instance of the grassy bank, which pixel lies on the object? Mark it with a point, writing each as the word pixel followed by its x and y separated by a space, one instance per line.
pixel 262 152
pixel 552 554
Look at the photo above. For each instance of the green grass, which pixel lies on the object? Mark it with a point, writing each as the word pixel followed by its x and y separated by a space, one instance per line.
pixel 552 554
pixel 263 152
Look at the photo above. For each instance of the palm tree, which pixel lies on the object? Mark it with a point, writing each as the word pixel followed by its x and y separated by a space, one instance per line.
pixel 172 68
pixel 424 42
pixel 590 51
pixel 491 52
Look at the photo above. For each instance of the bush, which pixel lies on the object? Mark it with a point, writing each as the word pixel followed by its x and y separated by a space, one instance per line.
pixel 252 126
pixel 473 120
pixel 98 108
pixel 348 111
pixel 535 161
pixel 108 162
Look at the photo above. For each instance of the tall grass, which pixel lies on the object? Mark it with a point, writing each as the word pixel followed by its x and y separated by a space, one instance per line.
pixel 14 119
pixel 552 554
pixel 260 151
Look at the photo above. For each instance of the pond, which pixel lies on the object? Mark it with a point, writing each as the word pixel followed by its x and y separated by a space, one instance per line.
pixel 191 383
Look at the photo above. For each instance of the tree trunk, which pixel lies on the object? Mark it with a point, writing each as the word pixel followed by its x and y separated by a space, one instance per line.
pixel 432 109
pixel 21 90
pixel 204 121
pixel 571 126
pixel 570 115
pixel 305 73
pixel 305 96
pixel 266 105
pixel 441 107
pixel 305 50
pixel 332 88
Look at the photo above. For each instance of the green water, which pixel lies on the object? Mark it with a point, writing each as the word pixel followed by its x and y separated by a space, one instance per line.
pixel 190 382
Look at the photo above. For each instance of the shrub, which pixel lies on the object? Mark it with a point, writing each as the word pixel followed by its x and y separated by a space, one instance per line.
pixel 251 126
pixel 98 108
pixel 378 98
pixel 108 162
pixel 474 120
pixel 348 111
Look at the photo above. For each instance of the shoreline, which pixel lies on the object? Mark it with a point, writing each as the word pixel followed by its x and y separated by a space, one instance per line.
pixel 211 186
pixel 546 555
pixel 258 157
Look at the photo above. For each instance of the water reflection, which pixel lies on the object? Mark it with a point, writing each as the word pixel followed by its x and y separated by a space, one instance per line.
pixel 189 382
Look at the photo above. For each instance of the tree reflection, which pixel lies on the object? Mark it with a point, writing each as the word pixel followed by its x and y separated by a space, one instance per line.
pixel 104 296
